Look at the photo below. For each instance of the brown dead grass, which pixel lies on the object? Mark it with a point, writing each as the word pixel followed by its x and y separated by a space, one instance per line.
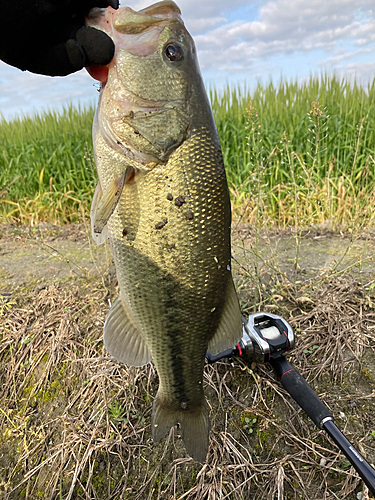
pixel 75 424
pixel 338 328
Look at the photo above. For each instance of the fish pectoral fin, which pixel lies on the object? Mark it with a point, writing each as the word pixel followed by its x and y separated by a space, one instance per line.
pixel 99 238
pixel 195 427
pixel 122 338
pixel 104 203
pixel 229 331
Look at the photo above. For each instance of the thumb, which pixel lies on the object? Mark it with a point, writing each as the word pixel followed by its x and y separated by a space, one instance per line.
pixel 97 46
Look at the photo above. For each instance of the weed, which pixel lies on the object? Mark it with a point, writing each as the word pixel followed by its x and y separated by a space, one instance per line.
pixel 311 349
pixel 116 412
pixel 249 424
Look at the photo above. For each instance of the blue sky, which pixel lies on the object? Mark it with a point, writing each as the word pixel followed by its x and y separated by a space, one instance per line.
pixel 249 42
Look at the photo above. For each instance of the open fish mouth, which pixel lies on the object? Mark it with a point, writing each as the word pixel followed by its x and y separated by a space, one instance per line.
pixel 136 32
pixel 133 110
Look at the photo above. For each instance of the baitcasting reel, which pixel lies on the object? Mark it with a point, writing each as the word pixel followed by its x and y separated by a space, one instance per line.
pixel 266 338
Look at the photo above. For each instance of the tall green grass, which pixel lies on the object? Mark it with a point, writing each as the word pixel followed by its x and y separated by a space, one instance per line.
pixel 299 154
pixel 47 172
pixel 295 154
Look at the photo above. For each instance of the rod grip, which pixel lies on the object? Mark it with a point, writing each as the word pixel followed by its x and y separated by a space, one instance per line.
pixel 212 358
pixel 301 392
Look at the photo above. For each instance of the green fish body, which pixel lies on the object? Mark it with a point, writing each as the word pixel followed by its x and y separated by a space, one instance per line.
pixel 163 202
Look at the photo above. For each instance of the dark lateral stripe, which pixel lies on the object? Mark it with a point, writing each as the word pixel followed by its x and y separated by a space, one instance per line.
pixel 179 380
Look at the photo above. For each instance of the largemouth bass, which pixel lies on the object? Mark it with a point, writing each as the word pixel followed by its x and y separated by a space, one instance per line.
pixel 163 202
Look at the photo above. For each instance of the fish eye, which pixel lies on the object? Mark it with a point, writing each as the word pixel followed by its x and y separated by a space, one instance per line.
pixel 174 51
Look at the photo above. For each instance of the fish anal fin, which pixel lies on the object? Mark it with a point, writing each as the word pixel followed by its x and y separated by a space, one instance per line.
pixel 229 331
pixel 122 338
pixel 194 426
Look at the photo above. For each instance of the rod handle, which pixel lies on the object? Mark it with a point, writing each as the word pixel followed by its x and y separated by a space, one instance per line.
pixel 301 392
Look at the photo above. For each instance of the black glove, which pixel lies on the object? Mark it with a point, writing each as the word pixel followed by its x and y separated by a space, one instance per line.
pixel 49 37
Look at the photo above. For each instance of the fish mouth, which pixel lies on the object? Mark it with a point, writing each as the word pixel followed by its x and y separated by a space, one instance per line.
pixel 135 31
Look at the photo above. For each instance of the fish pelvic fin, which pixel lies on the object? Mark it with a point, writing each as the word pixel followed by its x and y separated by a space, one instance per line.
pixel 122 338
pixel 194 426
pixel 105 202
pixel 99 238
pixel 229 331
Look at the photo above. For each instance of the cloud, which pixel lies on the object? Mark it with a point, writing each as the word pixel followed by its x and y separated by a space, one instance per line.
pixel 199 15
pixel 196 9
pixel 286 27
pixel 342 56
pixel 361 72
pixel 196 26
pixel 25 93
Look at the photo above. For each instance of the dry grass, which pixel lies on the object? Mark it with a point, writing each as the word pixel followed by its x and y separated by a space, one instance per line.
pixel 342 313
pixel 52 206
pixel 75 424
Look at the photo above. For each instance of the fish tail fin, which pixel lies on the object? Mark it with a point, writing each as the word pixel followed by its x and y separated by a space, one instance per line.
pixel 195 429
pixel 194 425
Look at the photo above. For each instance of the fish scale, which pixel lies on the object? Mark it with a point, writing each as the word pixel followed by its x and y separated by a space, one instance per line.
pixel 163 201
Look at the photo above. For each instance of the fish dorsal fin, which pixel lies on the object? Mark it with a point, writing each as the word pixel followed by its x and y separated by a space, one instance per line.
pixel 99 238
pixel 229 331
pixel 122 338
pixel 106 201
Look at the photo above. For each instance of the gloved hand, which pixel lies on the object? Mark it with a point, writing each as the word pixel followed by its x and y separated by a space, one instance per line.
pixel 49 37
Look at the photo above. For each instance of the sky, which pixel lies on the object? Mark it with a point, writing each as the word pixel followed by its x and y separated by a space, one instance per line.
pixel 238 41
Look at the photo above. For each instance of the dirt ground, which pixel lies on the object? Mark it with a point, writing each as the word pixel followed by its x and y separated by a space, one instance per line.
pixel 75 424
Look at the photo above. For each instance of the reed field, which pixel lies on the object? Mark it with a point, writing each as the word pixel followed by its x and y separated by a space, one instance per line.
pixel 296 154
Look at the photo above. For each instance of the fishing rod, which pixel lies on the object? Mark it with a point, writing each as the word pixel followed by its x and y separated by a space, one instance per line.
pixel 266 338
